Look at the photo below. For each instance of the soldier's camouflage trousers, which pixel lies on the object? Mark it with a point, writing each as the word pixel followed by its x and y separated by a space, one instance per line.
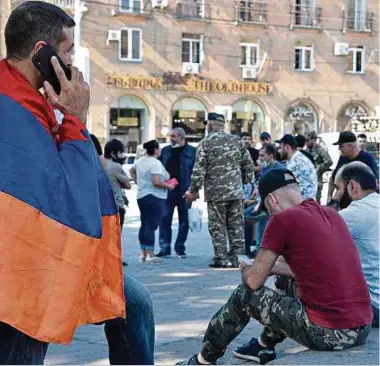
pixel 282 316
pixel 320 188
pixel 226 219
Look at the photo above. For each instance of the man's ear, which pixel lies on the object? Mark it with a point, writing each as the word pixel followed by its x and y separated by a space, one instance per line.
pixel 38 46
pixel 352 186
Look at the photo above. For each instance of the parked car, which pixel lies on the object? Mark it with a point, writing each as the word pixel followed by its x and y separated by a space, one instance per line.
pixel 129 163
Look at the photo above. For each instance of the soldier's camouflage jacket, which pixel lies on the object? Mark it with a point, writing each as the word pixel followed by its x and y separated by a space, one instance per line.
pixel 322 160
pixel 222 166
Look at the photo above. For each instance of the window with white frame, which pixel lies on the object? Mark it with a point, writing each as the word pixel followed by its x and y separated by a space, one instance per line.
pixel 250 53
pixel 304 58
pixel 131 45
pixel 356 60
pixel 191 48
pixel 133 6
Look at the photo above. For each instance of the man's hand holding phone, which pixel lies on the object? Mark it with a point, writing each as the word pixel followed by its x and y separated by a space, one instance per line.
pixel 74 98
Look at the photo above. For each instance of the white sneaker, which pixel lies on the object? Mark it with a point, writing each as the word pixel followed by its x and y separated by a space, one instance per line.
pixel 152 260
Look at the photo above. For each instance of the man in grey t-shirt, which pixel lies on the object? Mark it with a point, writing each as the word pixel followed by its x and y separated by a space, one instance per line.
pixel 356 182
pixel 115 156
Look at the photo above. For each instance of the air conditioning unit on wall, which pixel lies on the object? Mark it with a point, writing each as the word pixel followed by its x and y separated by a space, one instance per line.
pixel 159 3
pixel 113 36
pixel 190 68
pixel 249 73
pixel 341 49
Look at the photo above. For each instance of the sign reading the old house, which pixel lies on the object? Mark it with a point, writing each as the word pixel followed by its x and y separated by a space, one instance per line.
pixel 188 84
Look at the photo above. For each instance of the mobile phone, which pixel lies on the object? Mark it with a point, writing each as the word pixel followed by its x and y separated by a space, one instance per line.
pixel 42 61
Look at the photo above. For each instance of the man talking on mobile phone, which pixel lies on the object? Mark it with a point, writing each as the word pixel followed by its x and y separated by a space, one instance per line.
pixel 60 244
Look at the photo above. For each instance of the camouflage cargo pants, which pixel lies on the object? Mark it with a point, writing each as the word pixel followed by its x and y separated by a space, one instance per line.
pixel 282 316
pixel 320 188
pixel 226 219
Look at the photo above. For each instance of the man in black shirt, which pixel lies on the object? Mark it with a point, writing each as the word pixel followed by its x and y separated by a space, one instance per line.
pixel 178 159
pixel 349 152
pixel 246 139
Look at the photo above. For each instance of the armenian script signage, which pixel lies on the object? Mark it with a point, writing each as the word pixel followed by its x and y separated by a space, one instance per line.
pixel 187 84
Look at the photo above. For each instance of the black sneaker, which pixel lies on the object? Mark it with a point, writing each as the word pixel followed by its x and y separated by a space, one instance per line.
pixel 193 360
pixel 222 264
pixel 252 351
pixel 162 255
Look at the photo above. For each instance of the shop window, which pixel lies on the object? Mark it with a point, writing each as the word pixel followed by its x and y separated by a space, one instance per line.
pixel 356 60
pixel 191 122
pixel 131 45
pixel 304 58
pixel 249 54
pixel 301 118
pixel 133 6
pixel 243 122
pixel 191 48
pixel 126 123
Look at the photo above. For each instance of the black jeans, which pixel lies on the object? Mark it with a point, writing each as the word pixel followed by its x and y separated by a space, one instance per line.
pixel 130 340
pixel 175 199
pixel 122 216
pixel 375 322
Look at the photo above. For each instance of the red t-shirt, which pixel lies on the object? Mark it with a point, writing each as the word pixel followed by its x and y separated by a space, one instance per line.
pixel 320 251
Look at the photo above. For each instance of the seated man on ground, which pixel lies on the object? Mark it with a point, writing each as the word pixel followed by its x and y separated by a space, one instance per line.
pixel 356 192
pixel 333 309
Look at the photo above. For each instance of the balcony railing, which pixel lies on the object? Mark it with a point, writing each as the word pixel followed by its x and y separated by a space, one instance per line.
pixel 251 12
pixel 193 9
pixel 306 16
pixel 358 21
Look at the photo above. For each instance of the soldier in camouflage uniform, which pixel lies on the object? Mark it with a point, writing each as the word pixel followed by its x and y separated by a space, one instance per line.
pixel 325 316
pixel 322 159
pixel 222 165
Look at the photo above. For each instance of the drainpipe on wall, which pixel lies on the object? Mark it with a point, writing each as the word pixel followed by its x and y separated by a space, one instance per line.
pixel 81 57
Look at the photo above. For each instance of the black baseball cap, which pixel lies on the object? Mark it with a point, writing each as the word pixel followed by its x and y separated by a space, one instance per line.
pixel 215 117
pixel 288 140
pixel 274 179
pixel 344 137
pixel 265 136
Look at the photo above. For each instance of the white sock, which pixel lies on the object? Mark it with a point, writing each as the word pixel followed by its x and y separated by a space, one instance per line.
pixel 202 360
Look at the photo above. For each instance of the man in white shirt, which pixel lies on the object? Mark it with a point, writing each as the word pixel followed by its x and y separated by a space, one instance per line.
pixel 356 191
pixel 300 166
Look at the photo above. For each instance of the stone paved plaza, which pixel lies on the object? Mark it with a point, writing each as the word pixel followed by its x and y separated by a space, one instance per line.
pixel 186 293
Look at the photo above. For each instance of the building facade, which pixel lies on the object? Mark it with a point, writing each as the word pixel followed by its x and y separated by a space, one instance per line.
pixel 288 66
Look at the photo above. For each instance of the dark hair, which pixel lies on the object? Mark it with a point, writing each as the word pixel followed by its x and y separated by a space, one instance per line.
pixel 270 149
pixel 34 21
pixel 245 134
pixel 362 136
pixel 150 146
pixel 301 140
pixel 361 173
pixel 265 136
pixel 113 146
pixel 97 145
